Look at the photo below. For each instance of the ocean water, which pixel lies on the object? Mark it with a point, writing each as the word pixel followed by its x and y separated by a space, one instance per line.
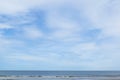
pixel 59 75
pixel 62 73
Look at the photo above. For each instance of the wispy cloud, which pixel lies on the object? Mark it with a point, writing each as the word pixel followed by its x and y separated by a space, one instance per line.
pixel 32 32
pixel 5 26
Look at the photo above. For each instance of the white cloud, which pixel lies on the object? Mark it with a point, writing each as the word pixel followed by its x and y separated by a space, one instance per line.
pixel 105 15
pixel 16 6
pixel 62 26
pixel 85 50
pixel 32 32
pixel 5 26
pixel 7 45
pixel 25 57
pixel 10 7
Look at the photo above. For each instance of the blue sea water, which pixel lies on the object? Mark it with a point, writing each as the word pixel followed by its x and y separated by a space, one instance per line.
pixel 62 73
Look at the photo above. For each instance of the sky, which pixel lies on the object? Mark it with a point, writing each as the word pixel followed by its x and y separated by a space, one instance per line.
pixel 59 34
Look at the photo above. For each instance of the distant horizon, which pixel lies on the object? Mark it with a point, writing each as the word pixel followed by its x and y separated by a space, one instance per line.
pixel 67 70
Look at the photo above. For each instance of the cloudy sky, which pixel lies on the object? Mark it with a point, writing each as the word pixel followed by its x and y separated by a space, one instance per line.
pixel 59 34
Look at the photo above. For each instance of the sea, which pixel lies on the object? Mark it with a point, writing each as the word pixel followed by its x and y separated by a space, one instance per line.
pixel 59 75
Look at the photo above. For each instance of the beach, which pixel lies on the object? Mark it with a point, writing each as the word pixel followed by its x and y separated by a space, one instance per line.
pixel 30 77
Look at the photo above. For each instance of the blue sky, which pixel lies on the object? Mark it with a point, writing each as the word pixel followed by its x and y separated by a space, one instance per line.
pixel 59 34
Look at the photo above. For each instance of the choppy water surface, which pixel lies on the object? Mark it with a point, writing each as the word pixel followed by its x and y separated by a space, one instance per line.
pixel 59 75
